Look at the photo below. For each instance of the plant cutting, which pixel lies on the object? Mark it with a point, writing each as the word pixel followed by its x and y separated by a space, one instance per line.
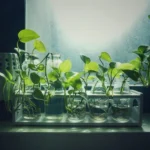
pixel 89 71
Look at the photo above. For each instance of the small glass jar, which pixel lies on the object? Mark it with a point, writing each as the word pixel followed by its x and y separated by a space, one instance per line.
pixel 121 109
pixel 98 109
pixel 76 109
pixel 53 107
pixel 31 108
pixel 54 60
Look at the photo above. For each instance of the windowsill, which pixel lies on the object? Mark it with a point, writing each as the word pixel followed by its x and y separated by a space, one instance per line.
pixel 10 128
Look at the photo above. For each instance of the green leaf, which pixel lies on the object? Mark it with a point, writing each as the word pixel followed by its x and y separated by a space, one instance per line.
pixel 114 72
pixel 85 59
pixel 39 46
pixel 91 78
pixel 32 66
pixel 77 84
pixel 104 69
pixel 27 35
pixel 65 66
pixel 142 49
pixel 112 65
pixel 92 66
pixel 37 94
pixel 149 16
pixel 76 76
pixel 105 56
pixel 40 68
pixel 70 92
pixel 69 74
pixel 126 66
pixel 28 81
pixel 65 84
pixel 141 52
pixel 42 80
pixel 3 75
pixel 9 75
pixel 136 63
pixel 35 78
pixel 23 74
pixel 132 74
pixel 100 77
pixel 52 76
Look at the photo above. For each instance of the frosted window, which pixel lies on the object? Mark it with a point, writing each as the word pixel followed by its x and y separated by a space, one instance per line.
pixel 74 27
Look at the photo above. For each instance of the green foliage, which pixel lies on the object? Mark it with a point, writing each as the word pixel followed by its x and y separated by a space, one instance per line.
pixel 53 76
pixel 92 66
pixel 65 66
pixel 39 46
pixel 37 94
pixel 27 35
pixel 134 75
pixel 136 63
pixel 126 66
pixel 112 65
pixel 76 84
pixel 85 59
pixel 35 78
pixel 105 56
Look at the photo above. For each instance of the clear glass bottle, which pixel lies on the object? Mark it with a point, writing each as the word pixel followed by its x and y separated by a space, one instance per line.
pixel 53 107
pixel 98 109
pixel 76 109
pixel 54 60
pixel 121 109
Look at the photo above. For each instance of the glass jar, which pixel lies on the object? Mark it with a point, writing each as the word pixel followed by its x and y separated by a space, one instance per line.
pixel 121 109
pixel 31 108
pixel 98 109
pixel 76 109
pixel 53 107
pixel 54 60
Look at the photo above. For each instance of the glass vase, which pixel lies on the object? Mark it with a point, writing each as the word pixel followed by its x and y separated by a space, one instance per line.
pixel 76 109
pixel 54 109
pixel 121 109
pixel 98 109
pixel 31 108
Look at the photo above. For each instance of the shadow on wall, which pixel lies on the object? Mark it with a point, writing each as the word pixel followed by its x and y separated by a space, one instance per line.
pixel 13 19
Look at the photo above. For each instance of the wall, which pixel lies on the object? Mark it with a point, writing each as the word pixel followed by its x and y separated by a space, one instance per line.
pixel 90 27
pixel 12 14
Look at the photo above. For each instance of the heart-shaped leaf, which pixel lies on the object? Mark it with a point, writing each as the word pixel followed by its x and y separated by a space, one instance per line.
pixel 37 94
pixel 39 46
pixel 105 56
pixel 85 59
pixel 132 74
pixel 27 35
pixel 136 63
pixel 52 76
pixel 65 66
pixel 35 78
pixel 92 66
